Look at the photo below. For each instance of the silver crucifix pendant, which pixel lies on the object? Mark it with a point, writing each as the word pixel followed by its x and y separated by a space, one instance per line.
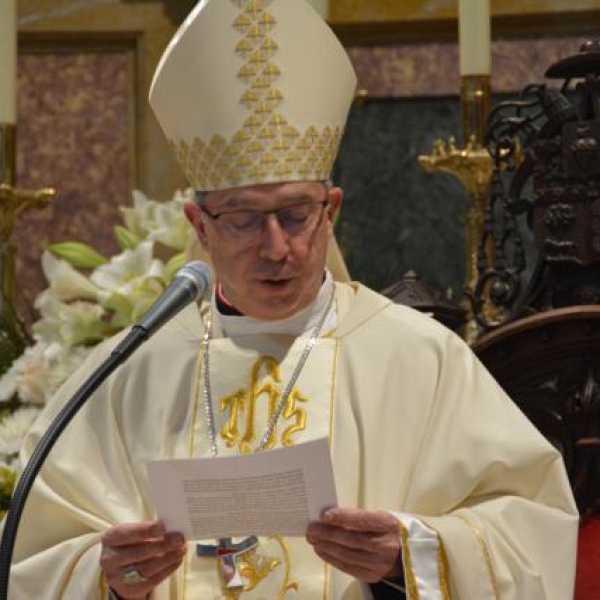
pixel 229 555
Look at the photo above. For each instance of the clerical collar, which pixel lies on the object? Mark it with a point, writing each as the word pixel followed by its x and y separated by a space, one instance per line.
pixel 302 323
pixel 223 305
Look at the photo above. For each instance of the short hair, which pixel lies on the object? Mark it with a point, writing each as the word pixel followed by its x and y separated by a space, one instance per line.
pixel 200 196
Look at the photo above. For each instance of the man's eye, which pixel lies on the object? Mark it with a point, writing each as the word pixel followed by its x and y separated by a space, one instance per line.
pixel 243 221
pixel 294 216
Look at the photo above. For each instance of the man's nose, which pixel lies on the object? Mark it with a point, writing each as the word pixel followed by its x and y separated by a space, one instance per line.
pixel 274 240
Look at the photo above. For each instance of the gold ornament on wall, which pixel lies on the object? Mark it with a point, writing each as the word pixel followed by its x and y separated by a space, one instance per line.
pixel 13 202
pixel 472 166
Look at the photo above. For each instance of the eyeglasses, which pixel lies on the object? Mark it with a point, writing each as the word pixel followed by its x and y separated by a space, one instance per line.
pixel 247 224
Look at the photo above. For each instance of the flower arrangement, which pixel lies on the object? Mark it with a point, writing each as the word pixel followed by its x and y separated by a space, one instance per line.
pixel 89 298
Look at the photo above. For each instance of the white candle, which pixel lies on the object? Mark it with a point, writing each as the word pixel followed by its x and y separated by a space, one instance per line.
pixel 8 61
pixel 474 35
pixel 322 6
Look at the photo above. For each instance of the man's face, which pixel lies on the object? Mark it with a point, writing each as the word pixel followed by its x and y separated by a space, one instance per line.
pixel 270 271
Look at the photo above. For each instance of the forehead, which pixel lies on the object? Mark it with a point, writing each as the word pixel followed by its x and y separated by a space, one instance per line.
pixel 265 194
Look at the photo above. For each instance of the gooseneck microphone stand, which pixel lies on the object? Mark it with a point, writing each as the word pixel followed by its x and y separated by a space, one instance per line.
pixel 69 410
pixel 189 284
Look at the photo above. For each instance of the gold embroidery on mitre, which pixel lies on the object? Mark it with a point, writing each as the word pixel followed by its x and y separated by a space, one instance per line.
pixel 243 409
pixel 288 153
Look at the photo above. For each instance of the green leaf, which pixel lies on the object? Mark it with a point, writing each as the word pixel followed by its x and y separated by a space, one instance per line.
pixel 121 308
pixel 78 255
pixel 8 478
pixel 126 239
pixel 174 264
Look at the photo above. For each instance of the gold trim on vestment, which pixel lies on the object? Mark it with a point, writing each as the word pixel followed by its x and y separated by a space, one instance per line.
pixel 443 570
pixel 331 422
pixel 486 555
pixel 409 574
pixel 195 410
pixel 101 580
pixel 255 569
pixel 103 585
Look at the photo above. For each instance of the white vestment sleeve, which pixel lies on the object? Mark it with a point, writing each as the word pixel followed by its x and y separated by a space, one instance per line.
pixel 437 440
pixel 509 526
pixel 423 559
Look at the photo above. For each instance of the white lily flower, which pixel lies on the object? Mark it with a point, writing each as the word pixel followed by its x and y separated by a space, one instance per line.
pixel 41 369
pixel 32 360
pixel 171 229
pixel 66 283
pixel 77 311
pixel 70 324
pixel 130 283
pixel 31 370
pixel 13 427
pixel 135 216
pixel 47 329
pixel 164 222
pixel 8 385
pixel 127 267
pixel 63 366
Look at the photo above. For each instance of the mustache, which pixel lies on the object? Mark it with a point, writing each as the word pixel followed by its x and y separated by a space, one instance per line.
pixel 274 272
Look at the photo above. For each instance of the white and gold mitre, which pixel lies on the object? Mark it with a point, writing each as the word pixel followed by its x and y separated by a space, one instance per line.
pixel 253 91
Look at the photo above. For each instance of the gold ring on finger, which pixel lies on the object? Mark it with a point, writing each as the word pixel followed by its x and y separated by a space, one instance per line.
pixel 132 576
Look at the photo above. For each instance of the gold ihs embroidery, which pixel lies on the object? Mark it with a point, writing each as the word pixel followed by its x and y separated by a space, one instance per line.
pixel 243 408
pixel 257 569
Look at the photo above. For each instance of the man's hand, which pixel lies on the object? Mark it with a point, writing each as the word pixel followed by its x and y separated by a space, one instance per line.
pixel 145 547
pixel 362 543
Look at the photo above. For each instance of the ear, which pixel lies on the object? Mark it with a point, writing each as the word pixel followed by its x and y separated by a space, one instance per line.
pixel 336 196
pixel 194 215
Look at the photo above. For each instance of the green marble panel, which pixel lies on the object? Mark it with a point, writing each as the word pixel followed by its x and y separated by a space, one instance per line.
pixel 395 216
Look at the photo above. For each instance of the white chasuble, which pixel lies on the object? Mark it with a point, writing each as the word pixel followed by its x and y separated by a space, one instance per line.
pixel 416 427
pixel 247 378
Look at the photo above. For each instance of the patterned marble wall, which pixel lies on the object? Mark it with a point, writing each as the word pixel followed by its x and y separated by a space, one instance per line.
pixel 75 133
pixel 361 11
pixel 431 69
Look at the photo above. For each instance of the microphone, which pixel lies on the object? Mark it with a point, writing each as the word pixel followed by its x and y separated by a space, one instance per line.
pixel 189 284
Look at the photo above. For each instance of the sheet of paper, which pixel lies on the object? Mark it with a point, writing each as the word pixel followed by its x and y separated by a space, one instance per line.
pixel 275 492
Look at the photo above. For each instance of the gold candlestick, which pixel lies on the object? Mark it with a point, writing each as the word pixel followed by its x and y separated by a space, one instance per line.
pixel 473 167
pixel 13 202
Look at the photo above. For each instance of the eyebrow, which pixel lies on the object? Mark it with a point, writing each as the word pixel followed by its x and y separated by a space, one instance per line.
pixel 249 204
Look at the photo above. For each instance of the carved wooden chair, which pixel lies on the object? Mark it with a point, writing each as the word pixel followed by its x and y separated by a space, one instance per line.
pixel 543 344
pixel 549 364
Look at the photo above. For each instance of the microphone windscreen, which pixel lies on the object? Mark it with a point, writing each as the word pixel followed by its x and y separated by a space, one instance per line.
pixel 199 272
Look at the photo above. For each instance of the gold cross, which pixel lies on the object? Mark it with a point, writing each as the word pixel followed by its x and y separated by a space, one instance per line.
pixel 13 202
